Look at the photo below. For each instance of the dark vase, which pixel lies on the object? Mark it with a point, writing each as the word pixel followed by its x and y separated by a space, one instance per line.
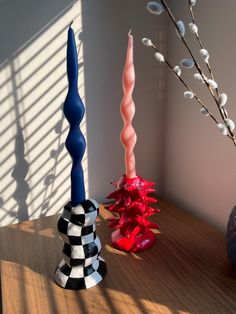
pixel 231 237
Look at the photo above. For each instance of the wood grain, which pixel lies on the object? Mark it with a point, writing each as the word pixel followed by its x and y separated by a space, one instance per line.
pixel 186 271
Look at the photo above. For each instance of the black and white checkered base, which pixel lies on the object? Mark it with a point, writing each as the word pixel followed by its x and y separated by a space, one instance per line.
pixel 81 267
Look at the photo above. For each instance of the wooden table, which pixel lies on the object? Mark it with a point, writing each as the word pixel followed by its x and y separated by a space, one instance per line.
pixel 185 272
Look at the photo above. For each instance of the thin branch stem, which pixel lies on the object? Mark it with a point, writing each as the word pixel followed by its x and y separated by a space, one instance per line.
pixel 231 134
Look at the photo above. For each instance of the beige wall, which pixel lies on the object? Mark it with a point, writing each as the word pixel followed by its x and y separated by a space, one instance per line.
pixel 193 165
pixel 35 165
pixel 199 170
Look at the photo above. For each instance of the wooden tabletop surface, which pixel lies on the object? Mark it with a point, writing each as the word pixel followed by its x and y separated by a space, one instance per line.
pixel 186 271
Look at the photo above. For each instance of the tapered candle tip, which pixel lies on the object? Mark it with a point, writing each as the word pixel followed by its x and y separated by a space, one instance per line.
pixel 71 23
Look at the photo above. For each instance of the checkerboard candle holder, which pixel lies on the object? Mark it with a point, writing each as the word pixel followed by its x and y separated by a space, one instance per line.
pixel 81 267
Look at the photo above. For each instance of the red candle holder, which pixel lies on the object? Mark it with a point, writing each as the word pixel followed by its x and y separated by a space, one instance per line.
pixel 132 204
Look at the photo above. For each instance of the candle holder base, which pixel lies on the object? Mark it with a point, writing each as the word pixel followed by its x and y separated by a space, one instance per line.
pixel 140 243
pixel 132 202
pixel 81 266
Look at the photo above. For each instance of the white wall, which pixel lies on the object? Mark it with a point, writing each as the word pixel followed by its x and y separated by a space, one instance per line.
pixel 199 171
pixel 35 165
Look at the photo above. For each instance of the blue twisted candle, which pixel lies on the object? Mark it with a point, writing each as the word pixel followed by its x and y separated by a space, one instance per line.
pixel 74 112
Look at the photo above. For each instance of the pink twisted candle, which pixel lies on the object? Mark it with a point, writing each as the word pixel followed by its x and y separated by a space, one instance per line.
pixel 128 136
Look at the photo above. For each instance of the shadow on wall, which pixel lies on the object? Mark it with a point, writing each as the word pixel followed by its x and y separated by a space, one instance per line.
pixel 35 166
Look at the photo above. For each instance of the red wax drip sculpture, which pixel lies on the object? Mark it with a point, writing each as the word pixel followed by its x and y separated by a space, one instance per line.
pixel 131 196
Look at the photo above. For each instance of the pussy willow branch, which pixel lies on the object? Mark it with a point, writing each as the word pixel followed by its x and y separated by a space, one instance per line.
pixel 207 63
pixel 196 65
pixel 189 89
